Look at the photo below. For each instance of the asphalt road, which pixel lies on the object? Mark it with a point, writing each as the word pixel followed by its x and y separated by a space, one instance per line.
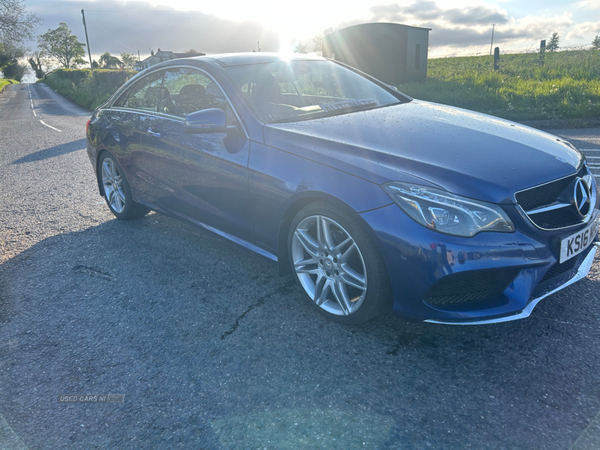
pixel 212 350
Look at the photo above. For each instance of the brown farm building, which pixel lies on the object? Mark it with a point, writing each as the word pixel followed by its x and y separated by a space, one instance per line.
pixel 391 52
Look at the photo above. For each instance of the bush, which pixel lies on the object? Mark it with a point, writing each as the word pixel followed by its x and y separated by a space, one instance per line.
pixel 87 88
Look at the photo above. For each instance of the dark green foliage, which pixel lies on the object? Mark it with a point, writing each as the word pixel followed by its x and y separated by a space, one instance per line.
pixel 107 61
pixel 86 88
pixel 9 61
pixel 553 44
pixel 12 69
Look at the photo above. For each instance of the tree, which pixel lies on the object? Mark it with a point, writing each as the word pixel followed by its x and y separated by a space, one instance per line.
pixel 107 61
pixel 16 25
pixel 9 61
pixel 319 38
pixel 300 47
pixel 553 44
pixel 128 60
pixel 35 61
pixel 596 43
pixel 63 46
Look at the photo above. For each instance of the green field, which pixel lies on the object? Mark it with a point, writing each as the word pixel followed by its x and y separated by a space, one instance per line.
pixel 566 87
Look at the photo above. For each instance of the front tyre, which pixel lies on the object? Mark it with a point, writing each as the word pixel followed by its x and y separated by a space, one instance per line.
pixel 337 264
pixel 116 190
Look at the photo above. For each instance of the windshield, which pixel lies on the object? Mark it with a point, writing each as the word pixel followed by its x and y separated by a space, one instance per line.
pixel 302 90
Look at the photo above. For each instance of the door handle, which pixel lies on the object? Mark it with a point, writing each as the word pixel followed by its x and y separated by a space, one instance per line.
pixel 153 133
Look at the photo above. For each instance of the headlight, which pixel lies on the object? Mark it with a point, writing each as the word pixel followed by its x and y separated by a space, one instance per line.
pixel 448 213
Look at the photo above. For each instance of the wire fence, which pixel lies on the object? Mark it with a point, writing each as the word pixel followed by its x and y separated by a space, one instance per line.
pixel 507 51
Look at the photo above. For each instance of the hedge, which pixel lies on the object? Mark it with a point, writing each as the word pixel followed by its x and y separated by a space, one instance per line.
pixel 87 88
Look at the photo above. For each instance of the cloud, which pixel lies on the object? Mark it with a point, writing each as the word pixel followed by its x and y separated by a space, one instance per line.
pixel 428 10
pixel 588 4
pixel 574 35
pixel 589 27
pixel 128 26
pixel 466 28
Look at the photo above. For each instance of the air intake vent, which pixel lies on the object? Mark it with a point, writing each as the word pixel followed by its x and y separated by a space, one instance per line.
pixel 470 287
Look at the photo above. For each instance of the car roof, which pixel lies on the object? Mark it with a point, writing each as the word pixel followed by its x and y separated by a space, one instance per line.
pixel 240 59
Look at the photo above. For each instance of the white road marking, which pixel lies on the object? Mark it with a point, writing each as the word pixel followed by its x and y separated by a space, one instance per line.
pixel 41 121
pixel 8 438
pixel 50 126
pixel 589 435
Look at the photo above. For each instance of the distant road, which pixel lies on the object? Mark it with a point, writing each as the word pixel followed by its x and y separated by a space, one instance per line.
pixel 586 139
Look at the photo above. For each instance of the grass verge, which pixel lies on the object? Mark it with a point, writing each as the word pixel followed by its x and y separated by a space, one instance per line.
pixel 5 82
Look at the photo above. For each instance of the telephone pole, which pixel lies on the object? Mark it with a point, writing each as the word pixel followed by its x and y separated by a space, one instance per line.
pixel 87 40
pixel 492 43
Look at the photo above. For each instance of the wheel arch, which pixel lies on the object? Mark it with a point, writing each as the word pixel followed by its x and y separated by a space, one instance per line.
pixel 295 204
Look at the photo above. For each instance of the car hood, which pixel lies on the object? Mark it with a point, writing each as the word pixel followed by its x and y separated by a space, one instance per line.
pixel 464 152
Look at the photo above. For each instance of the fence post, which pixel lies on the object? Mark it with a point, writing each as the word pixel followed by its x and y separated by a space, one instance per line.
pixel 542 52
pixel 496 57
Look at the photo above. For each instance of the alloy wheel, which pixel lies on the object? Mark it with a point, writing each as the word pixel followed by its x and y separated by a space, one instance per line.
pixel 113 185
pixel 329 265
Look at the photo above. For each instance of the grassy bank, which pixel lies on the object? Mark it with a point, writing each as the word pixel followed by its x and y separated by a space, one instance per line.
pixel 5 82
pixel 566 87
pixel 84 87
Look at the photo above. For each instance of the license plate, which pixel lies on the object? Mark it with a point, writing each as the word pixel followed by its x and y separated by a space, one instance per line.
pixel 578 242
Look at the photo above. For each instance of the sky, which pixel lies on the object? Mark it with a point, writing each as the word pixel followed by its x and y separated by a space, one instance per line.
pixel 458 27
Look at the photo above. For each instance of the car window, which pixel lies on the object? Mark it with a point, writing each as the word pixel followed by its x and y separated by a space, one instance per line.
pixel 190 90
pixel 146 93
pixel 302 90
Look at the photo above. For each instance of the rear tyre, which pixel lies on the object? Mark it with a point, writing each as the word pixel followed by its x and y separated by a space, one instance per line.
pixel 116 190
pixel 337 264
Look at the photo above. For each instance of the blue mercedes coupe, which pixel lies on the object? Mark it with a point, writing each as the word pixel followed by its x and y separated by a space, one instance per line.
pixel 372 200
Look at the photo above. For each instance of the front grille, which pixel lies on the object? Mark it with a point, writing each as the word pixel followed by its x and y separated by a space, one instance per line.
pixel 542 195
pixel 547 195
pixel 558 218
pixel 470 287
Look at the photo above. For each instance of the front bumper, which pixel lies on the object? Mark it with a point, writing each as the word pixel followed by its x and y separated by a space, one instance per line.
pixel 419 260
pixel 582 272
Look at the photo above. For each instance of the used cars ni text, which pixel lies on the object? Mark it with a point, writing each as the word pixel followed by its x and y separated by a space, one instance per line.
pixel 373 200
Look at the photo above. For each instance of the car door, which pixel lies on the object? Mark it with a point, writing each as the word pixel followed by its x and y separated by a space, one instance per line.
pixel 202 177
pixel 133 114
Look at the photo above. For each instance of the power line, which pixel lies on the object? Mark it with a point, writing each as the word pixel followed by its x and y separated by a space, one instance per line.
pixel 149 12
pixel 112 37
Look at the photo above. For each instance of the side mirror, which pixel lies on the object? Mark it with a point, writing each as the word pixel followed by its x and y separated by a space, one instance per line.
pixel 210 120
